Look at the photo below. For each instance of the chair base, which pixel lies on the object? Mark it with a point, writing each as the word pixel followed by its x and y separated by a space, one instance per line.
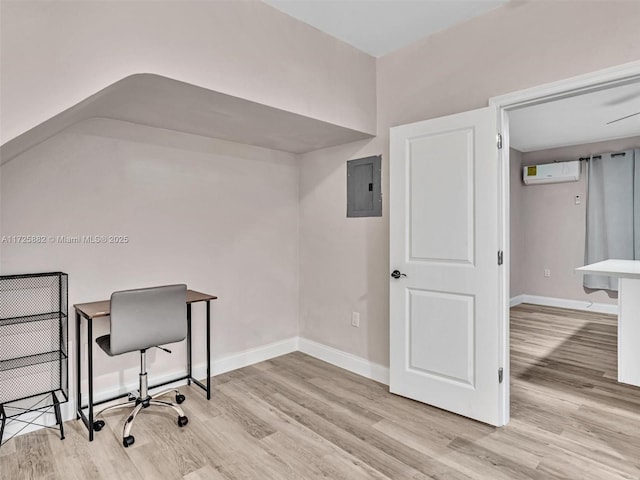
pixel 140 401
pixel 137 405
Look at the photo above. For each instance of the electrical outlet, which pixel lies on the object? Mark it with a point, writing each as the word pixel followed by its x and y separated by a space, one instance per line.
pixel 355 319
pixel 547 272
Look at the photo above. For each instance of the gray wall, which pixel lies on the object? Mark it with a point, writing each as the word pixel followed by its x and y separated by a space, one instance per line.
pixel 551 230
pixel 219 216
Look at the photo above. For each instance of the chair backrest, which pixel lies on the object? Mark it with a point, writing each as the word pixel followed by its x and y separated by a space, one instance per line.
pixel 148 317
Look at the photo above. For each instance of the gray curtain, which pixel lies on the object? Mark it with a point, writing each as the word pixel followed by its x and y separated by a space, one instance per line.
pixel 613 212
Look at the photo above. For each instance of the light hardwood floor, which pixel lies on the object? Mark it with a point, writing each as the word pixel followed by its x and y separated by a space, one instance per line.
pixel 297 417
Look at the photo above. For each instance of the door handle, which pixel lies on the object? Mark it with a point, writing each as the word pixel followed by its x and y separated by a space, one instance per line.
pixel 396 274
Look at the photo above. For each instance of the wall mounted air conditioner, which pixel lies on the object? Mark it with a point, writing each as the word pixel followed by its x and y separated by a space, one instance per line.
pixel 551 173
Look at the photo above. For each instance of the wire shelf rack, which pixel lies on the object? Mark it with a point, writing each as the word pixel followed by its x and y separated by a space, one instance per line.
pixel 33 346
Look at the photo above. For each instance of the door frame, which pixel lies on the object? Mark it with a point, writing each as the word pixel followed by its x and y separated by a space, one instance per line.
pixel 590 82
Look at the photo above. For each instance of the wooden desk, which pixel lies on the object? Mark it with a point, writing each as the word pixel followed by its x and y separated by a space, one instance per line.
pixel 628 273
pixel 92 310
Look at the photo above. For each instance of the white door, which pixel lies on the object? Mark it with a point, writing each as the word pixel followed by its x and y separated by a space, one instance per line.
pixel 444 314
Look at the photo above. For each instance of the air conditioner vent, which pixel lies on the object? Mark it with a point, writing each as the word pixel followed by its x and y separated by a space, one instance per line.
pixel 551 173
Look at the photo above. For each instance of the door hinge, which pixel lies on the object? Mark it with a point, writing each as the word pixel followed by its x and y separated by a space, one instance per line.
pixel 499 141
pixel 500 374
pixel 500 257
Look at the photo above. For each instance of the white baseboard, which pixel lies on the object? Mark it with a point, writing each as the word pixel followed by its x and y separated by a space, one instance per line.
pixel 247 357
pixel 517 300
pixel 565 303
pixel 345 360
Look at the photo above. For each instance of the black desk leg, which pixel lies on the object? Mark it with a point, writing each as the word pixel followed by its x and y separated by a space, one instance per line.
pixel 56 408
pixel 208 350
pixel 189 372
pixel 90 375
pixel 78 368
pixel 4 420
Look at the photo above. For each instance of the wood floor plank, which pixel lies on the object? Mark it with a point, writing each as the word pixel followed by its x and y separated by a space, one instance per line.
pixel 567 465
pixel 296 417
pixel 299 435
pixel 33 456
pixel 251 423
pixel 301 459
pixel 84 464
pixel 383 461
pixel 207 472
pixel 408 412
pixel 353 426
pixel 243 456
pixel 331 460
pixel 424 440
pixel 350 468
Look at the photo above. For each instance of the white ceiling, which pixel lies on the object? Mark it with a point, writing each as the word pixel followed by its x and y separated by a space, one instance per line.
pixel 378 27
pixel 577 120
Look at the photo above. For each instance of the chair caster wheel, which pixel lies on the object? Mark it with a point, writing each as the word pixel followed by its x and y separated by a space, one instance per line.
pixel 182 421
pixel 98 425
pixel 128 441
pixel 180 398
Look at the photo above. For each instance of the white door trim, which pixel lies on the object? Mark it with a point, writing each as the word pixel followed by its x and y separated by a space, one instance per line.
pixel 598 80
pixel 594 81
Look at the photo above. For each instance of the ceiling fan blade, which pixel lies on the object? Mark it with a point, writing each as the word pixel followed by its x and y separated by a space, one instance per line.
pixel 622 118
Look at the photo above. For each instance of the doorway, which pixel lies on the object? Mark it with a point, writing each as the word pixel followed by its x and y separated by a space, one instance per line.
pixel 535 131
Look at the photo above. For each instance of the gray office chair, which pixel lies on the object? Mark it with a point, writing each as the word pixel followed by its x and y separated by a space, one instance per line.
pixel 143 319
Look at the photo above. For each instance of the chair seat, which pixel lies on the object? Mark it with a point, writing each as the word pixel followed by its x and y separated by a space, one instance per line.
pixel 104 342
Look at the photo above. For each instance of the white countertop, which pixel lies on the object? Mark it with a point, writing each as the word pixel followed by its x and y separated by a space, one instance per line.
pixel 614 268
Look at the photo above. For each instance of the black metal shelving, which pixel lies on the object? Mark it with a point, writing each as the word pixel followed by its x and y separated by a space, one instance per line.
pixel 33 347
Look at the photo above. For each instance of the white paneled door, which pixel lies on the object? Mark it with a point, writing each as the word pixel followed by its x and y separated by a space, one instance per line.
pixel 444 286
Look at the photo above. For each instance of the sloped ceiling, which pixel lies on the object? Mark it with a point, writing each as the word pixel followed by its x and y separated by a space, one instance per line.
pixel 164 103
